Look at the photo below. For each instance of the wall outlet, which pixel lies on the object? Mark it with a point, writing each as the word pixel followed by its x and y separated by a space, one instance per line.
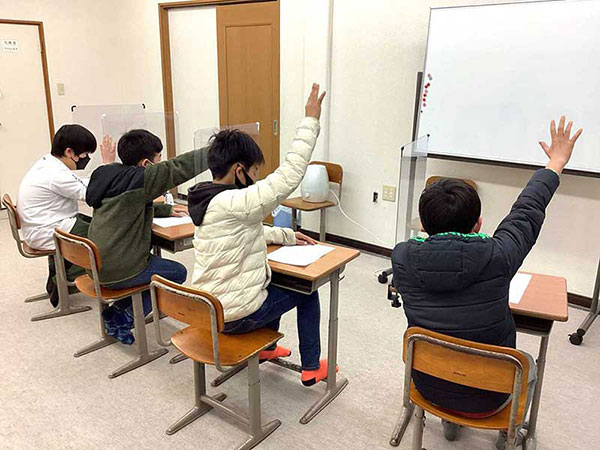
pixel 389 193
pixel 60 87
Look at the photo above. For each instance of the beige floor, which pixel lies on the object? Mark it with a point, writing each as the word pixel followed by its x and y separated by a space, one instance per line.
pixel 50 400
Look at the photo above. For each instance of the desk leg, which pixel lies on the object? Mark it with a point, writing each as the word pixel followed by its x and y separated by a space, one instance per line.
pixel 334 385
pixel 294 219
pixel 531 440
pixel 323 225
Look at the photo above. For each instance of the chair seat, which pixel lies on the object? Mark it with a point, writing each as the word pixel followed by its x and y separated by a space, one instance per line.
pixel 35 252
pixel 302 205
pixel 497 422
pixel 86 285
pixel 234 349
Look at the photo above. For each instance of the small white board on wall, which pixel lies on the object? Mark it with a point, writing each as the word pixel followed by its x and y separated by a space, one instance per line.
pixel 496 75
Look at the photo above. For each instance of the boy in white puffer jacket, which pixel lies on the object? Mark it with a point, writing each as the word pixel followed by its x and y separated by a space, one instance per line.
pixel 230 241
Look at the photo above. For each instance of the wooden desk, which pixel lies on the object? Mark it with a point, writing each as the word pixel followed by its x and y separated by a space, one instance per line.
pixel 173 239
pixel 543 303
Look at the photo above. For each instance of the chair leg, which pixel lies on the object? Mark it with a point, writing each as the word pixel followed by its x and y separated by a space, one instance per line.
pixel 402 425
pixel 141 342
pixel 104 340
pixel 417 443
pixel 227 375
pixel 257 432
pixel 37 298
pixel 199 408
pixel 178 358
pixel 64 307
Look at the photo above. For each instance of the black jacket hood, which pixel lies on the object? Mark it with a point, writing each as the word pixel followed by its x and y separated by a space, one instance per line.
pixel 447 262
pixel 200 196
pixel 113 180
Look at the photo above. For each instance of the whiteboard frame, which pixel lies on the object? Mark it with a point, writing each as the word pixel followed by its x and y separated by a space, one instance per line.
pixel 490 162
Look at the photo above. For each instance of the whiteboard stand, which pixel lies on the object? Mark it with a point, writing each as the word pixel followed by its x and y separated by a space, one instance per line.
pixel 577 337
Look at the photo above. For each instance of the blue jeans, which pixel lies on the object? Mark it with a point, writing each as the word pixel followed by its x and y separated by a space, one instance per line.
pixel 171 270
pixel 278 302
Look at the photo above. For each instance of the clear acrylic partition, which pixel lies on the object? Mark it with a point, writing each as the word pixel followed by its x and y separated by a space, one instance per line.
pixel 158 123
pixel 90 116
pixel 413 168
pixel 203 136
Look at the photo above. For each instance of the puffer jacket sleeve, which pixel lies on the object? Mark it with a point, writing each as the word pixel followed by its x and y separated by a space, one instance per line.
pixel 251 205
pixel 278 235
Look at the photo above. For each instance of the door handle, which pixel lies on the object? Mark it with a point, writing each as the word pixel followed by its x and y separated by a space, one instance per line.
pixel 275 127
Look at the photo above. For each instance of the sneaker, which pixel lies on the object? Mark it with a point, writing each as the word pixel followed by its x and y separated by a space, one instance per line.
pixel 277 352
pixel 450 430
pixel 54 296
pixel 109 326
pixel 311 377
pixel 123 322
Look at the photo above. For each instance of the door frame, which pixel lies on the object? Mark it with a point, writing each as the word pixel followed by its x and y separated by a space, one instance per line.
pixel 40 26
pixel 165 55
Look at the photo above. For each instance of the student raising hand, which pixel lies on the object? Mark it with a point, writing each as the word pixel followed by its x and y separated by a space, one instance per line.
pixel 313 105
pixel 108 150
pixel 562 145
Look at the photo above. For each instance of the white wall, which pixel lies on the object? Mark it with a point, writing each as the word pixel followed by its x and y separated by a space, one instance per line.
pixel 109 52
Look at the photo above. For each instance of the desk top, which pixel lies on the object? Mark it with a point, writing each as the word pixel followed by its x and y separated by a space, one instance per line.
pixel 544 298
pixel 300 204
pixel 320 268
pixel 174 233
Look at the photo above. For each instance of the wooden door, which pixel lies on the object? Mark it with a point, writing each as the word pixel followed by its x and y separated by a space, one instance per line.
pixel 248 53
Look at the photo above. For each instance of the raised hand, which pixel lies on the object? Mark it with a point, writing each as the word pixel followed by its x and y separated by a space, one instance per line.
pixel 313 105
pixel 108 150
pixel 562 145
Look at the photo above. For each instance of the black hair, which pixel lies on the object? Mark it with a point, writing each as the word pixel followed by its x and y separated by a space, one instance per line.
pixel 137 145
pixel 229 147
pixel 75 137
pixel 449 205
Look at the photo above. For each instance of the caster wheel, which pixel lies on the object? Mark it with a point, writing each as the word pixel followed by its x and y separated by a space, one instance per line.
pixel 575 339
pixel 383 278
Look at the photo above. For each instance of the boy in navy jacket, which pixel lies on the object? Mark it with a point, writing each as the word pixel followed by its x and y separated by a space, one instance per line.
pixel 456 281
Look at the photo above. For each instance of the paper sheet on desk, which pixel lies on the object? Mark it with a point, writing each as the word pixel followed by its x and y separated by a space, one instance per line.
pixel 299 255
pixel 518 286
pixel 167 222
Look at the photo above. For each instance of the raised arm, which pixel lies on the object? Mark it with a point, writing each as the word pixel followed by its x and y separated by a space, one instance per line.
pixel 254 203
pixel 165 175
pixel 518 232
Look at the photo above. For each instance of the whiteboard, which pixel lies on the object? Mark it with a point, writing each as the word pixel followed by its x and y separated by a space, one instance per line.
pixel 496 75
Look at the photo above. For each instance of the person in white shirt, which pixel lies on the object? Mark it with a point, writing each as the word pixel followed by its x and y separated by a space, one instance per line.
pixel 50 191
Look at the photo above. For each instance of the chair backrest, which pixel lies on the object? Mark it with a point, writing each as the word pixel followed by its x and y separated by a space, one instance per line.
pixel 77 250
pixel 482 366
pixel 193 307
pixel 13 215
pixel 436 178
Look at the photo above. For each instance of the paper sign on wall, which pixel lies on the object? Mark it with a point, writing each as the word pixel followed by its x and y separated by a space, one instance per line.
pixel 10 45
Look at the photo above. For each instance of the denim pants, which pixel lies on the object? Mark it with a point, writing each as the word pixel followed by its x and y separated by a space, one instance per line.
pixel 171 270
pixel 278 302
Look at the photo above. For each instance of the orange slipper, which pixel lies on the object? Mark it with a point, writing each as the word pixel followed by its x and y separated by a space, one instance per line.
pixel 311 377
pixel 279 352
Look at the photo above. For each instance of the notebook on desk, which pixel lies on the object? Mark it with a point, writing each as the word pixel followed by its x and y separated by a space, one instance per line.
pixel 299 255
pixel 167 222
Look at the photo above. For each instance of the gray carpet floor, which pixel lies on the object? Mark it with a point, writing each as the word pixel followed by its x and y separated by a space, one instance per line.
pixel 51 400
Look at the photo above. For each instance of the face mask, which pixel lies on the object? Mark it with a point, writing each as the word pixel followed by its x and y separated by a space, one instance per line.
pixel 81 162
pixel 239 183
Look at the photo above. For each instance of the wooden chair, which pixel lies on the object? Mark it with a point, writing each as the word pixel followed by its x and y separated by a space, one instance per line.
pixel 488 367
pixel 336 175
pixel 64 308
pixel 84 253
pixel 415 224
pixel 204 342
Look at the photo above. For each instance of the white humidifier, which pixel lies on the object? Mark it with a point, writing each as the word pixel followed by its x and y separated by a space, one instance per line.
pixel 315 185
